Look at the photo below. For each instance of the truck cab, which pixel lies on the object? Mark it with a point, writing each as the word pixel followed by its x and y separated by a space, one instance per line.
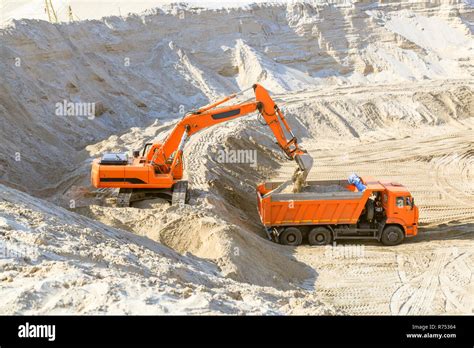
pixel 400 207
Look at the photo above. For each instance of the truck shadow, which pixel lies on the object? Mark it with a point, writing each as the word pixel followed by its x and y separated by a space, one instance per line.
pixel 449 231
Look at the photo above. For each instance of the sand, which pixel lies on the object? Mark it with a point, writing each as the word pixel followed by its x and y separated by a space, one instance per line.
pixel 58 262
pixel 362 93
pixel 310 188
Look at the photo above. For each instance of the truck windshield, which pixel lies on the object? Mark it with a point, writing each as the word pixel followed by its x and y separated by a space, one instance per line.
pixel 403 201
pixel 400 202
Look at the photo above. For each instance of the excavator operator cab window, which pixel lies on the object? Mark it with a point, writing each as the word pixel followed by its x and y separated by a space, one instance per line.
pixel 145 149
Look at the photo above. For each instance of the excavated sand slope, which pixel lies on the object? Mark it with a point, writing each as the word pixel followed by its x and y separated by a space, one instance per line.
pixel 370 88
pixel 59 262
pixel 145 67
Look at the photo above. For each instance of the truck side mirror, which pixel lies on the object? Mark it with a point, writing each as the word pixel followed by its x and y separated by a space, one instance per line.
pixel 412 203
pixel 136 153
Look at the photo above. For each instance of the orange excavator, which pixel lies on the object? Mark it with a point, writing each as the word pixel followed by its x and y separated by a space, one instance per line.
pixel 157 171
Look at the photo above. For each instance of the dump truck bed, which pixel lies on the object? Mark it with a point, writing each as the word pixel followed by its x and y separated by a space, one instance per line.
pixel 322 202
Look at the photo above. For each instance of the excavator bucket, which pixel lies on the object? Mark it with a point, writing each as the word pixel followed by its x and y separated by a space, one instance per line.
pixel 305 163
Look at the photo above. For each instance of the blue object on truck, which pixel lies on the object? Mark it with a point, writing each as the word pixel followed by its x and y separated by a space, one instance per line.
pixel 355 180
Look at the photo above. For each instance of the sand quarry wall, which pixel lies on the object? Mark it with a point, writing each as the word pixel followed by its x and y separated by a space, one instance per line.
pixel 141 71
pixel 146 67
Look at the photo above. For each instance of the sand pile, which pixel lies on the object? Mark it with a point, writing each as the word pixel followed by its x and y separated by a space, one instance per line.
pixel 240 255
pixel 288 187
pixel 59 262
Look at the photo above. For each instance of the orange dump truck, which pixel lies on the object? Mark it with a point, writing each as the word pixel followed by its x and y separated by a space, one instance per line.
pixel 334 209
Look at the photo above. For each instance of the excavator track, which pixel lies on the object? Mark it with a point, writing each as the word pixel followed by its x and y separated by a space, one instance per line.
pixel 180 193
pixel 126 197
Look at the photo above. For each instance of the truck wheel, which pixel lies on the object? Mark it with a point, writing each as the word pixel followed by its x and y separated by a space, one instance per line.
pixel 392 235
pixel 291 236
pixel 319 236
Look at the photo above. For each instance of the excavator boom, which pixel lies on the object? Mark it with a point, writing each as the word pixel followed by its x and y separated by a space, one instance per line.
pixel 160 167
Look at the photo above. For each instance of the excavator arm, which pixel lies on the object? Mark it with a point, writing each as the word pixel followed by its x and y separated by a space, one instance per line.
pixel 211 115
